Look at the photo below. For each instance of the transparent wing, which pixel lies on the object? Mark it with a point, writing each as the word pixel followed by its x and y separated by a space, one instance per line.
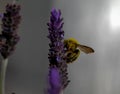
pixel 85 49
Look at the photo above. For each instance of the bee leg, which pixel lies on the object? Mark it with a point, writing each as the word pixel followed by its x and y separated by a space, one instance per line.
pixel 72 56
pixel 75 55
pixel 68 56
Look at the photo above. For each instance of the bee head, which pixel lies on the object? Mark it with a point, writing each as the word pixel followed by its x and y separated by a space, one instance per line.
pixel 72 40
pixel 71 44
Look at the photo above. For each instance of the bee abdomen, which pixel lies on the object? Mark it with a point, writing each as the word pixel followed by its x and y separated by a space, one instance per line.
pixel 72 56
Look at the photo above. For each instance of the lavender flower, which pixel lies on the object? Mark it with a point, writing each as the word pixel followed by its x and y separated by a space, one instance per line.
pixel 58 76
pixel 56 36
pixel 9 37
pixel 54 81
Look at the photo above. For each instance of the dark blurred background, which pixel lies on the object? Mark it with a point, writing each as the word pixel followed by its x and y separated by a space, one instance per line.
pixel 95 23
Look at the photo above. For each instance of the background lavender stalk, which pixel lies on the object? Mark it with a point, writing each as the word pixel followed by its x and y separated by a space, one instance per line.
pixel 58 76
pixel 2 75
pixel 8 38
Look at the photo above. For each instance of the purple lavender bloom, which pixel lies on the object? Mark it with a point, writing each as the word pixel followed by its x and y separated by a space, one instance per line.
pixel 56 35
pixel 54 81
pixel 10 22
pixel 58 76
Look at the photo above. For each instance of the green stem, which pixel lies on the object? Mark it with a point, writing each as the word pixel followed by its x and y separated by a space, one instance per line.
pixel 3 67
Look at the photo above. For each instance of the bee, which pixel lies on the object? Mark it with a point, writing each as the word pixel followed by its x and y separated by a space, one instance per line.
pixel 73 48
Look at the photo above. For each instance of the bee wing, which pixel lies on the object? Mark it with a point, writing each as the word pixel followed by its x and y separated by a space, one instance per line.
pixel 85 49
